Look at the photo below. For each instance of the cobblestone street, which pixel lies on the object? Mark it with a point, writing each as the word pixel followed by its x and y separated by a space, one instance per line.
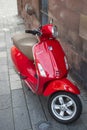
pixel 20 109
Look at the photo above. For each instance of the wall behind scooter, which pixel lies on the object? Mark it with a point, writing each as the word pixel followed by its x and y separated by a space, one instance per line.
pixel 31 21
pixel 71 18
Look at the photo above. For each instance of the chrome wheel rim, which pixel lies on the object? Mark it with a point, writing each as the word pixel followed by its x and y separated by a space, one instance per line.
pixel 63 107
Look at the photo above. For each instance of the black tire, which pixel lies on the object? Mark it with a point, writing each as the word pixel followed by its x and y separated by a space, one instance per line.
pixel 65 107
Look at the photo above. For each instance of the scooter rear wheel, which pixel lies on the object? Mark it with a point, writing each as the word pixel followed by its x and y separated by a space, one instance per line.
pixel 65 107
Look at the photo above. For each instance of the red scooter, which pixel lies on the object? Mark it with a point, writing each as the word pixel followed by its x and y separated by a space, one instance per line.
pixel 42 64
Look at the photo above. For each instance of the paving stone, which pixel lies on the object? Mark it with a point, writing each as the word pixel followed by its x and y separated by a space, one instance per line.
pixel 14 77
pixel 84 119
pixel 7 36
pixel 6 119
pixel 4 87
pixel 9 56
pixel 2 44
pixel 8 8
pixel 3 54
pixel 3 61
pixel 45 125
pixel 36 115
pixel 21 119
pixel 2 49
pixel 5 29
pixel 1 20
pixel 10 44
pixel 60 127
pixel 3 69
pixel 25 87
pixel 18 99
pixel 12 30
pixel 4 77
pixel 77 125
pixel 10 64
pixel 52 127
pixel 84 96
pixel 84 104
pixel 12 71
pixel 35 109
pixel 8 53
pixel 31 97
pixel 1 27
pixel 5 101
pixel 2 37
pixel 16 85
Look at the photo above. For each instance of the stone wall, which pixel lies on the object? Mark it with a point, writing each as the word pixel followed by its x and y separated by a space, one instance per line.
pixel 71 18
pixel 30 20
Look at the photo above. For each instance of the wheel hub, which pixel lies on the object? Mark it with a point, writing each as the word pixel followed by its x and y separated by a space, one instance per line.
pixel 63 107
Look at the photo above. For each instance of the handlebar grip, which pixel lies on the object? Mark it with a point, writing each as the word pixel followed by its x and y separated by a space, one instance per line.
pixel 34 32
pixel 28 31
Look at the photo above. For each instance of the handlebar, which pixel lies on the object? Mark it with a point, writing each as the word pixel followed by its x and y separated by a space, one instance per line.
pixel 34 32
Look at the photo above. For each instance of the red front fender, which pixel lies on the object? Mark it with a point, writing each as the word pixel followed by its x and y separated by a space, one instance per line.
pixel 60 85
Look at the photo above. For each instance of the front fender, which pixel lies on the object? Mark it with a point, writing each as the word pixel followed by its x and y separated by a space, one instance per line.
pixel 60 85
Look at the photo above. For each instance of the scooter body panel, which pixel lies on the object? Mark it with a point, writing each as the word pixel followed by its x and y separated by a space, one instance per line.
pixel 38 84
pixel 51 56
pixel 60 85
pixel 24 67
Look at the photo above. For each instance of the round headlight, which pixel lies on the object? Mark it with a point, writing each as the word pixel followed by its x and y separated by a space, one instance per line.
pixel 54 31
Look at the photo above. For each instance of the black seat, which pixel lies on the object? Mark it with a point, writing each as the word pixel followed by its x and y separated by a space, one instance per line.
pixel 24 42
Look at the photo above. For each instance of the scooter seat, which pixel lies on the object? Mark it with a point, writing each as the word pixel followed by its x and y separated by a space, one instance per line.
pixel 24 42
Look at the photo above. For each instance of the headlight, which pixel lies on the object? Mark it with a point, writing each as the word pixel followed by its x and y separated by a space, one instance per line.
pixel 66 62
pixel 41 70
pixel 54 31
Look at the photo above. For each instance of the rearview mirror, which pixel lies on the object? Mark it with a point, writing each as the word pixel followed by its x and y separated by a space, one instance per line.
pixel 51 21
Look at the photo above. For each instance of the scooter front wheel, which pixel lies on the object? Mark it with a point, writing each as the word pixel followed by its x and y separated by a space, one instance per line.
pixel 65 107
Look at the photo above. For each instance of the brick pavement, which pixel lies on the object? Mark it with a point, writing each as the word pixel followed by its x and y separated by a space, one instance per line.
pixel 20 109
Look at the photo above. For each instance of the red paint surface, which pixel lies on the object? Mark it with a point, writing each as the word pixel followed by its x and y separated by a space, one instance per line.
pixel 50 55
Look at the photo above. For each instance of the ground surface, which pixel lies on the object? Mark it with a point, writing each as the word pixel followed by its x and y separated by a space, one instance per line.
pixel 20 109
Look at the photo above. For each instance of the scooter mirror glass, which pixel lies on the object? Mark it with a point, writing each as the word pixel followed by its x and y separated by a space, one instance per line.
pixel 51 21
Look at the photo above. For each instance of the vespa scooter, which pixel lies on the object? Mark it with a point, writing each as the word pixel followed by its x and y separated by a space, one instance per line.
pixel 42 64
